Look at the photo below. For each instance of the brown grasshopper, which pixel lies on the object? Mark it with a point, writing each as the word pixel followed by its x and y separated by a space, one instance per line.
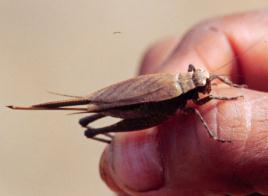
pixel 142 102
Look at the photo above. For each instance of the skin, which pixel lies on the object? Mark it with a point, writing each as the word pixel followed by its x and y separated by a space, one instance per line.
pixel 178 157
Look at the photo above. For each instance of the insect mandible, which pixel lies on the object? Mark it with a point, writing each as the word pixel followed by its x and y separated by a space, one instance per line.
pixel 142 102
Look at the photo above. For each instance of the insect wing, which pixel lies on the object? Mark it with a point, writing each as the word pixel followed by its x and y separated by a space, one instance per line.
pixel 141 89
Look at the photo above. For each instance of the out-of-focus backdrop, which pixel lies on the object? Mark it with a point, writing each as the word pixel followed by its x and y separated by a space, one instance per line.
pixel 70 47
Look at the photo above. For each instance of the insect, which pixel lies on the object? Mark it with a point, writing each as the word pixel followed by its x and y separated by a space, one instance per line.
pixel 142 102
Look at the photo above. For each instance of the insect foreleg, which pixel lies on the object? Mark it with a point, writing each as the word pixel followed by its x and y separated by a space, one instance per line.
pixel 225 80
pixel 203 101
pixel 210 97
pixel 209 131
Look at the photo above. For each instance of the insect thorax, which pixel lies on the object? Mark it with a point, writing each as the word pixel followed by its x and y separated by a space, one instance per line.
pixel 200 77
pixel 197 78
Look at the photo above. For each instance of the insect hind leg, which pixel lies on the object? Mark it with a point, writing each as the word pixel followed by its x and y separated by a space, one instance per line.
pixel 89 119
pixel 125 126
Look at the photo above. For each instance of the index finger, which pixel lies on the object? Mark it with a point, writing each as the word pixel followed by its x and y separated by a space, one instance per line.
pixel 233 45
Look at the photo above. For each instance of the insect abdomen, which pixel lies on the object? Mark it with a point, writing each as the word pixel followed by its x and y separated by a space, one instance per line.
pixel 145 110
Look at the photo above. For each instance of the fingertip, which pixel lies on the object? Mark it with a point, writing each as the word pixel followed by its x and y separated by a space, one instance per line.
pixel 133 163
pixel 105 171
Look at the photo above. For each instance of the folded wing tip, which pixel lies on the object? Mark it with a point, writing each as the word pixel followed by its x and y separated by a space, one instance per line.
pixel 18 107
pixel 10 106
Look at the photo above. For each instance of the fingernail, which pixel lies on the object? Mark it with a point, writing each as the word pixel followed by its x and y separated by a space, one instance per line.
pixel 136 161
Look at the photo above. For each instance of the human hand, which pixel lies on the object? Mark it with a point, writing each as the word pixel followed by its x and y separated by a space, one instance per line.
pixel 178 157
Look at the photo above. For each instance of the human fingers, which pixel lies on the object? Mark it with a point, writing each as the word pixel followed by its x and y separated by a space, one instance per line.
pixel 184 160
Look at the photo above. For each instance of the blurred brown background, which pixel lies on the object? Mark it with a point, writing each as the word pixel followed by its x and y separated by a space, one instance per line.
pixel 70 47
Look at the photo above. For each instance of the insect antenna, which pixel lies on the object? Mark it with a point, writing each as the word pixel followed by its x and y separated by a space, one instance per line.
pixel 63 95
